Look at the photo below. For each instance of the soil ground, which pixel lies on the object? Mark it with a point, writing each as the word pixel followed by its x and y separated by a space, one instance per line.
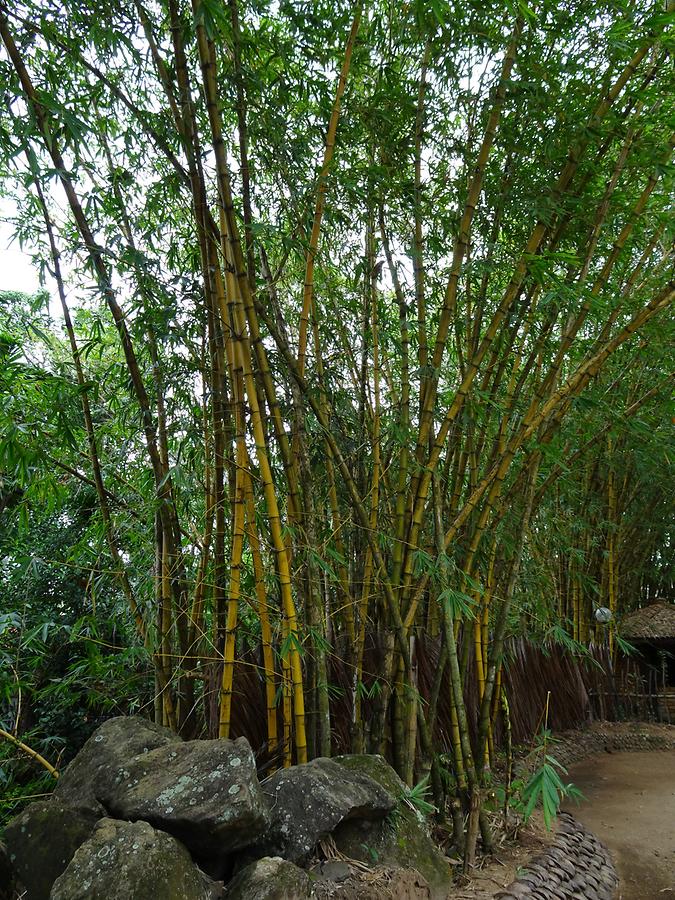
pixel 490 875
pixel 495 873
pixel 630 805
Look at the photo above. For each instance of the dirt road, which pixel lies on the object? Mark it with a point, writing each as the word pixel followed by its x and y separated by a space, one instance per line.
pixel 630 805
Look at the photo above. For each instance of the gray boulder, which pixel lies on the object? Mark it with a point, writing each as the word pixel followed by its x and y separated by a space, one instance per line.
pixel 131 861
pixel 269 878
pixel 41 842
pixel 400 840
pixel 205 793
pixel 309 801
pixel 117 740
pixel 7 880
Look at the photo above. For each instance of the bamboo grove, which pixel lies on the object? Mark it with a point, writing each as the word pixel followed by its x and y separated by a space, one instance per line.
pixel 365 309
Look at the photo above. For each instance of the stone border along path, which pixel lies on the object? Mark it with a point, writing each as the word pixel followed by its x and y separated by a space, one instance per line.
pixel 577 865
pixel 612 737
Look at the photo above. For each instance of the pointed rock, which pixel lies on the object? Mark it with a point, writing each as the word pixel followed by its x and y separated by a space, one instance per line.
pixel 205 793
pixel 116 741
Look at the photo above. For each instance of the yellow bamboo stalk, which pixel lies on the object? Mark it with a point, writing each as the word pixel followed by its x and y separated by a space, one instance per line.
pixel 237 286
pixel 287 699
pixel 487 599
pixel 234 594
pixel 457 744
pixel 263 615
pixel 29 752
pixel 276 532
pixel 478 651
pixel 225 307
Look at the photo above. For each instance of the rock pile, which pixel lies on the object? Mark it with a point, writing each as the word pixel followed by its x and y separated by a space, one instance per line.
pixel 141 814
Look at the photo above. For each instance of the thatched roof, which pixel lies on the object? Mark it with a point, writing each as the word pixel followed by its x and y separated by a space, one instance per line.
pixel 653 622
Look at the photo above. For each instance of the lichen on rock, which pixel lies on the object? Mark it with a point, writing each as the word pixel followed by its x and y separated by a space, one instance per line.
pixel 41 841
pixel 269 878
pixel 124 860
pixel 309 801
pixel 205 793
pixel 117 740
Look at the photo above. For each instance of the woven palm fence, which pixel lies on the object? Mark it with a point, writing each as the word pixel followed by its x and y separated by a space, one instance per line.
pixel 580 689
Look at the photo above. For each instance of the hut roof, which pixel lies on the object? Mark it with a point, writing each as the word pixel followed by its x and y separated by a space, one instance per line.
pixel 653 622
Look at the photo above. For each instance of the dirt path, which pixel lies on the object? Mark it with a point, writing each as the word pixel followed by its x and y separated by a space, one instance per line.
pixel 630 805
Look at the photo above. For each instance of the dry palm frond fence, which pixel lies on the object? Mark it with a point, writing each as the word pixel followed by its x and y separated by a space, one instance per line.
pixel 582 688
pixel 623 690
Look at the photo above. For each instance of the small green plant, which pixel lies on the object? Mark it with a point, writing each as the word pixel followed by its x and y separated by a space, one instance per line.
pixel 372 853
pixel 369 692
pixel 417 799
pixel 546 786
pixel 545 783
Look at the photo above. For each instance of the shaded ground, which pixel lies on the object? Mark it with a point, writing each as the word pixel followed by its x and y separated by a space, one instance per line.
pixel 350 880
pixel 497 872
pixel 630 805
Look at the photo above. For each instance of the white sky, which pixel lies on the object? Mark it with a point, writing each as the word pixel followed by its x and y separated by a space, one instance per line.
pixel 16 270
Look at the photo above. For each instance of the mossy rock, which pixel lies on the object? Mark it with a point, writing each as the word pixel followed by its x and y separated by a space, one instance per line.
pixel 309 801
pixel 269 878
pixel 132 861
pixel 401 839
pixel 41 842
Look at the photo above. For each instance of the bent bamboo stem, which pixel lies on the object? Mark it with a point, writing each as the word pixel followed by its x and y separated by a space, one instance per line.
pixel 29 752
